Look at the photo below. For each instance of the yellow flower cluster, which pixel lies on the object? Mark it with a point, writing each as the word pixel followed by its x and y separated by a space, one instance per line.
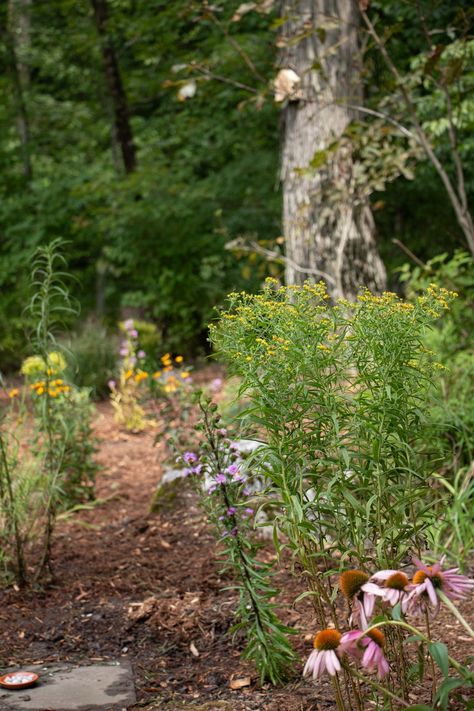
pixel 171 377
pixel 37 366
pixel 53 387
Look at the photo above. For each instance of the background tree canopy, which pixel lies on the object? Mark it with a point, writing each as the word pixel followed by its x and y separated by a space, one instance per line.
pixel 197 83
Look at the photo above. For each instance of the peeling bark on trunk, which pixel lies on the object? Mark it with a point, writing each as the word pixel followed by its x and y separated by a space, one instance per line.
pixel 122 129
pixel 324 240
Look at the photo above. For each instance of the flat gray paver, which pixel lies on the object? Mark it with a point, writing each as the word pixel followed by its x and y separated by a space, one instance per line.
pixel 64 687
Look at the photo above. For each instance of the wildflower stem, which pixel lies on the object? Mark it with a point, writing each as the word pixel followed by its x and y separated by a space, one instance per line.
pixel 433 672
pixel 414 630
pixel 380 688
pixel 452 607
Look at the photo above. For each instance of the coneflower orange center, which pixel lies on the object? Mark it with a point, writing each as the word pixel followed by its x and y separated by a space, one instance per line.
pixel 351 581
pixel 327 639
pixel 377 636
pixel 397 581
pixel 419 577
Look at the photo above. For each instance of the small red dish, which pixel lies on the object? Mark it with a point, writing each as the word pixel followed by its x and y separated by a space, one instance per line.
pixel 18 680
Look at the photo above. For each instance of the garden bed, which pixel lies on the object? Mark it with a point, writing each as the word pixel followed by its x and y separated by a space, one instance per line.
pixel 112 558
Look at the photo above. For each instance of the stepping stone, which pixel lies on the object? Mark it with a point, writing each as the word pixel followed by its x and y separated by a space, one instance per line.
pixel 63 687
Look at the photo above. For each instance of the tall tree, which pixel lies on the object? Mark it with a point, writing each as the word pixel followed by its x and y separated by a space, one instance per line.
pixel 320 79
pixel 16 37
pixel 122 131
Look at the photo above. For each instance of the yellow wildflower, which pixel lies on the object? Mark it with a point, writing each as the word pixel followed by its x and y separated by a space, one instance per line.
pixel 157 374
pixel 179 359
pixel 185 374
pixel 14 392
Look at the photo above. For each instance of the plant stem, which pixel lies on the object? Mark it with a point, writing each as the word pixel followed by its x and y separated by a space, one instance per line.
pixel 452 607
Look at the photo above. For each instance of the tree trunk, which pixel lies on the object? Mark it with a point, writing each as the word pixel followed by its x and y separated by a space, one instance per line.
pixel 329 230
pixel 122 128
pixel 16 36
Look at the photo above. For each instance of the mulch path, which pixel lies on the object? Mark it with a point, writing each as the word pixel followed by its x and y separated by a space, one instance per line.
pixel 109 560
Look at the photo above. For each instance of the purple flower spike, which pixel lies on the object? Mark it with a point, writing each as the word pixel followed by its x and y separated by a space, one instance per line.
pixel 233 469
pixel 220 479
pixel 190 457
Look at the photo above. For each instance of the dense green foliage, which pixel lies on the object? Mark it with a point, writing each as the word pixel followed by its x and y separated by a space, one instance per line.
pixel 206 131
pixel 206 168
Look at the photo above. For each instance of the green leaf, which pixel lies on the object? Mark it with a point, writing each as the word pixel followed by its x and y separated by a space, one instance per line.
pixel 397 612
pixel 419 707
pixel 439 652
pixel 448 685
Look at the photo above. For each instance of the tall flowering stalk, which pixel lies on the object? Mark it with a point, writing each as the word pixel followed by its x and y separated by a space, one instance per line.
pixel 49 305
pixel 221 482
pixel 126 393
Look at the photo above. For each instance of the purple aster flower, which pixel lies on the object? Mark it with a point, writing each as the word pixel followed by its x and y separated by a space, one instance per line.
pixel 233 469
pixel 112 384
pixel 133 333
pixel 128 324
pixel 216 384
pixel 220 479
pixel 141 354
pixel 190 457
pixel 123 352
pixel 231 511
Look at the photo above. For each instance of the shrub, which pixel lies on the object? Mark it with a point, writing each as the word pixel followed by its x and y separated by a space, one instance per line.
pixel 339 395
pixel 92 354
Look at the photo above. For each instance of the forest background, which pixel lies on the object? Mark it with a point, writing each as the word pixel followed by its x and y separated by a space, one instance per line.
pixel 147 228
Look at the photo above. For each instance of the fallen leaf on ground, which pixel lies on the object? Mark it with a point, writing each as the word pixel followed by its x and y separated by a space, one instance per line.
pixel 240 683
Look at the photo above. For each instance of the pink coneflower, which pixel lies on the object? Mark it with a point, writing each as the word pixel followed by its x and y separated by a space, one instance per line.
pixel 390 585
pixel 324 655
pixel 350 644
pixel 352 583
pixel 430 578
pixel 374 658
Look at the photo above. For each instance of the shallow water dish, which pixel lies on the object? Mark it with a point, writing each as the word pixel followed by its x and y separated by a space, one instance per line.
pixel 18 680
